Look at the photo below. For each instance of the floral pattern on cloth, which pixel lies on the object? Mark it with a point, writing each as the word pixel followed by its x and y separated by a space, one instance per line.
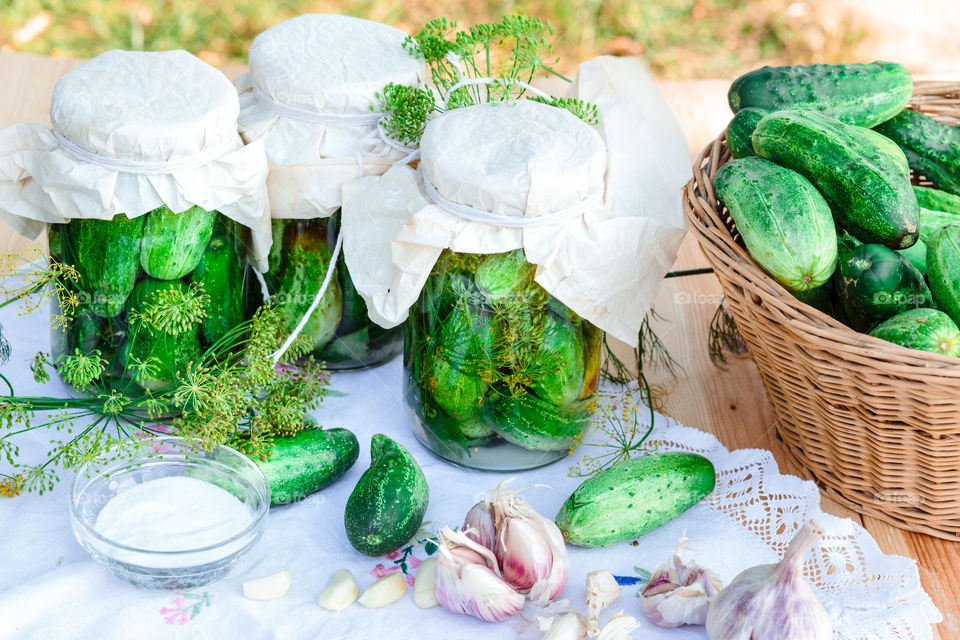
pixel 405 560
pixel 185 607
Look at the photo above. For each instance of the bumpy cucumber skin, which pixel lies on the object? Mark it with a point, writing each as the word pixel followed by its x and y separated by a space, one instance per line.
pixel 943 269
pixel 859 94
pixel 107 260
pixel 740 130
pixel 633 497
pixel 937 200
pixel 173 243
pixel 917 255
pixel 932 147
pixel 924 329
pixel 785 222
pixel 388 504
pixel 867 189
pixel 307 462
pixel 933 221
pixel 562 351
pixel 535 424
pixel 220 272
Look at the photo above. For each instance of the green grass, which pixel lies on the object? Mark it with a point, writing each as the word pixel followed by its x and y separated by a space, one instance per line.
pixel 680 38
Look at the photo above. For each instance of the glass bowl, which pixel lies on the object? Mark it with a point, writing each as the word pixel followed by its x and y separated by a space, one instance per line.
pixel 177 569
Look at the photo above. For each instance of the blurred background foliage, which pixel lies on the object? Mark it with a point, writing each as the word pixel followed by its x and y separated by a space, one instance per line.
pixel 681 39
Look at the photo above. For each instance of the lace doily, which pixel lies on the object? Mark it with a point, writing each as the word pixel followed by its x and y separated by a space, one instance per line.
pixel 869 595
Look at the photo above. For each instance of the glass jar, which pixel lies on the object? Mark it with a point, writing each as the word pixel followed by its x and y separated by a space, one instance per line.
pixel 498 374
pixel 341 333
pixel 125 265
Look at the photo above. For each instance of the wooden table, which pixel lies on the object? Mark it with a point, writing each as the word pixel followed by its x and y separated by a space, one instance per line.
pixel 731 403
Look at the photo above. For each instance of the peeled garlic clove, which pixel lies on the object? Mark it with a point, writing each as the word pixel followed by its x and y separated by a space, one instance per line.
pixel 679 594
pixel 601 590
pixel 479 524
pixel 473 588
pixel 384 591
pixel 268 587
pixel 772 602
pixel 340 592
pixel 618 627
pixel 424 593
pixel 569 626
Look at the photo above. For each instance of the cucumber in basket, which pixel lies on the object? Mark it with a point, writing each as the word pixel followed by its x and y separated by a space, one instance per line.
pixel 943 269
pixel 924 329
pixel 785 222
pixel 863 179
pixel 932 147
pixel 740 130
pixel 857 94
pixel 633 497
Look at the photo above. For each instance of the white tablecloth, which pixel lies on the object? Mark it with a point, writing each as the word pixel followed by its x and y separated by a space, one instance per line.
pixel 51 588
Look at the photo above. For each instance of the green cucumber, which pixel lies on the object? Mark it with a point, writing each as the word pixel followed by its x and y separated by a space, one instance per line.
pixel 943 269
pixel 933 221
pixel 173 243
pixel 784 221
pixel 167 354
pixel 387 506
pixel 465 339
pixel 818 298
pixel 459 394
pixel 932 147
pixel 924 329
pixel 875 283
pixel 858 94
pixel 917 255
pixel 107 259
pixel 937 200
pixel 532 423
pixel 221 272
pixel 867 188
pixel 633 497
pixel 306 462
pixel 561 357
pixel 504 275
pixel 740 130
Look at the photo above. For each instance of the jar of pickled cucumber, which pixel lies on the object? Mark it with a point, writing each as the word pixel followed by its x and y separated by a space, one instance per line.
pixel 155 206
pixel 504 259
pixel 312 96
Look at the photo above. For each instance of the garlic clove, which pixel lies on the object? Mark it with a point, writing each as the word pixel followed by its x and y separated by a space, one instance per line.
pixel 772 602
pixel 424 593
pixel 269 587
pixel 524 554
pixel 618 627
pixel 479 524
pixel 569 626
pixel 679 594
pixel 340 592
pixel 384 591
pixel 601 591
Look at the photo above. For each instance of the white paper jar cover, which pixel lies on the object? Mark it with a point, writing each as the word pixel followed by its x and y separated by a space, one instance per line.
pixel 311 96
pixel 134 131
pixel 609 199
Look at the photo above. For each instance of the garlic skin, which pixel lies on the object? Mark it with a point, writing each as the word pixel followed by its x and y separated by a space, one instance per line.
pixel 467 580
pixel 679 594
pixel 569 626
pixel 601 591
pixel 619 627
pixel 772 602
pixel 479 524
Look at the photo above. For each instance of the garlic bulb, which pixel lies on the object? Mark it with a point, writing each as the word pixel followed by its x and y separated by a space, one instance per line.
pixel 601 590
pixel 467 580
pixel 680 593
pixel 772 602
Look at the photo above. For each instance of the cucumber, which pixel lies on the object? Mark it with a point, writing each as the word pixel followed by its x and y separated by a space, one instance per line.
pixel 867 188
pixel 933 221
pixel 937 200
pixel 561 357
pixel 308 461
pixel 465 339
pixel 784 221
pixel 221 272
pixel 875 283
pixel 107 259
pixel 387 506
pixel 173 243
pixel 504 275
pixel 633 497
pixel 170 353
pixel 917 255
pixel 943 269
pixel 924 329
pixel 858 94
pixel 818 298
pixel 740 130
pixel 459 394
pixel 932 147
pixel 532 423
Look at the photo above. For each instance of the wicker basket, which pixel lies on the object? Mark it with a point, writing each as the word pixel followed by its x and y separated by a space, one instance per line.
pixel 878 425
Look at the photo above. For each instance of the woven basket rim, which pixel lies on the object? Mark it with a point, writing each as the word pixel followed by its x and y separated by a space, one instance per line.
pixel 805 318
